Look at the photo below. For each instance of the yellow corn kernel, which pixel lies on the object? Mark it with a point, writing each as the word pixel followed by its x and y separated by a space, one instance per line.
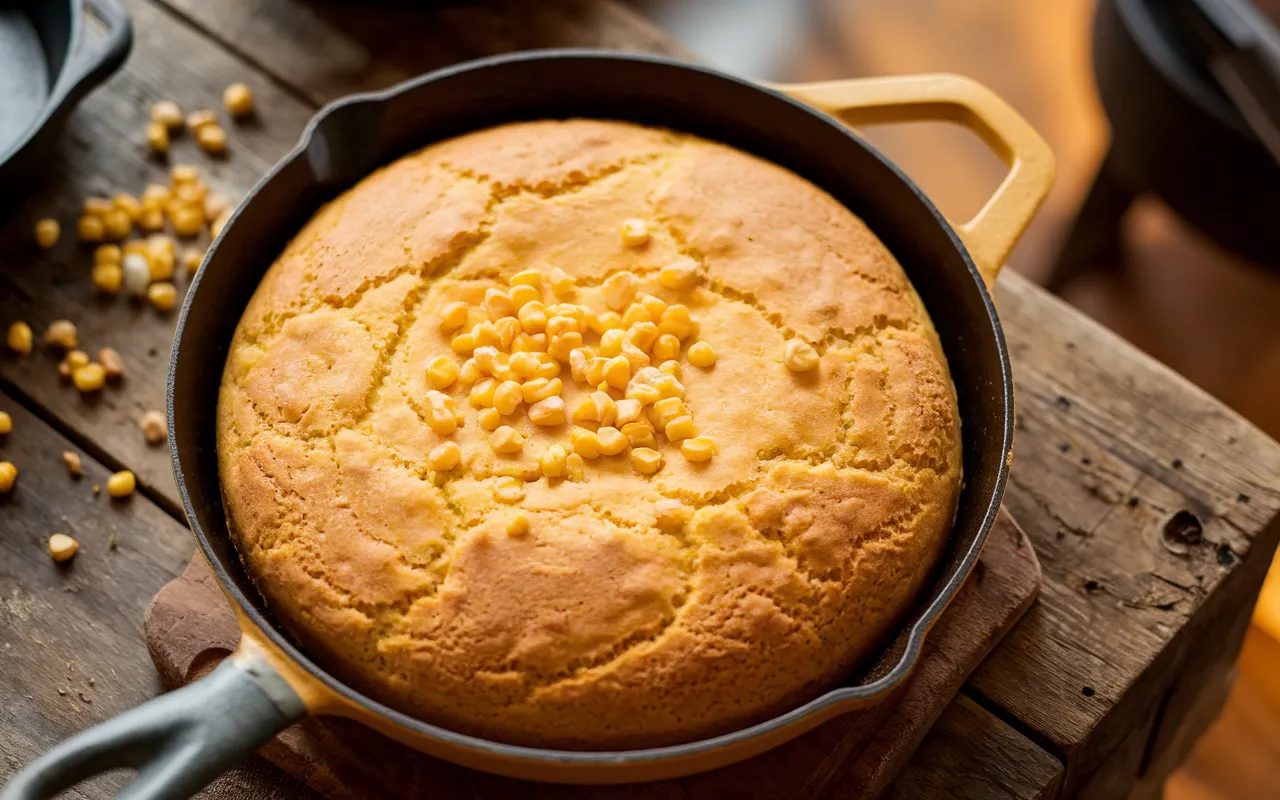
pixel 518 526
pixel 642 393
pixel 635 314
pixel 523 295
pixel 597 407
pixel 558 326
pixel 47 232
pixel 486 359
pixel 654 305
pixel 799 356
pixel 155 196
pixel 538 389
pixel 506 440
pixel 528 277
pixel 679 275
pixel 646 460
pixel 89 378
pixel 498 304
pixel 107 277
pixel 90 229
pixel 617 372
pixel 561 283
pixel 668 386
pixel 548 369
pixel 611 342
pixel 612 441
pixel 8 474
pixel 489 419
pixel 673 369
pixel 151 220
pixel 507 329
pixel 166 113
pixel 639 434
pixel 508 490
pixel 680 428
pixel 453 316
pixel 187 221
pixel 628 411
pixel 157 138
pixel 192 193
pixel 606 321
pixel 507 397
pixel 533 317
pixel 486 335
pixel 211 138
pixel 524 343
pixel 668 409
pixel 575 469
pixel 73 361
pixel 442 420
pixel 19 338
pixel 524 364
pixel 619 290
pixel 464 343
pixel 575 312
pixel 442 372
pixel 96 206
pixel 215 205
pixel 62 334
pixel 163 295
pixel 470 372
pixel 698 448
pixel 547 412
pixel 635 233
pixel 107 254
pixel 554 461
pixel 677 322
pixel 444 456
pixel 642 334
pixel 702 355
pixel 481 395
pixel 128 204
pixel 671 515
pixel 564 344
pixel 595 370
pixel 74 468
pixel 579 360
pixel 191 259
pixel 666 347
pixel 585 443
pixel 160 265
pixel 6 422
pixel 111 362
pixel 238 100
pixel 116 224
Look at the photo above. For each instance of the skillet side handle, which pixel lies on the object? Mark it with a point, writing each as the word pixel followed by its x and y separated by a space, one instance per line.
pixel 177 742
pixel 95 61
pixel 994 230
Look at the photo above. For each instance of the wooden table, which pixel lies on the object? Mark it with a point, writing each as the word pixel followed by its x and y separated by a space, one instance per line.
pixel 1152 507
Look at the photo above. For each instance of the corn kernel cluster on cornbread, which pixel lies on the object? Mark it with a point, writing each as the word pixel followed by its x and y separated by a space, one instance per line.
pixel 422 521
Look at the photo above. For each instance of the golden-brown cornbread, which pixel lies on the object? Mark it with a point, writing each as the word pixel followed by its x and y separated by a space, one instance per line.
pixel 623 609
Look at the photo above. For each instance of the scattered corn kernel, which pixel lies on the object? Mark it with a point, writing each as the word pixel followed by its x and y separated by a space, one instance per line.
pixel 642 334
pixel 116 224
pixel 539 389
pixel 153 426
pixel 6 422
pixel 585 443
pixel 107 254
pixel 635 314
pixel 575 469
pixel 518 526
pixel 698 448
pixel 238 100
pixel 47 232
pixel 96 206
pixel 561 283
pixel 442 372
pixel 553 461
pixel 645 460
pixel 481 395
pixel 470 372
pixel 671 514
pixel 679 275
pixel 108 277
pixel 72 461
pixel 111 362
pixel 799 356
pixel 680 428
pixel 191 259
pixel 486 335
pixel 121 484
pixel 489 419
pixel 215 205
pixel 137 273
pixel 19 338
pixel 151 219
pixel 157 138
pixel 62 547
pixel 561 346
pixel 166 113
pixel 677 322
pixel 667 409
pixel 8 474
pixel 606 321
pixel 522 295
pixel 547 412
pixel 508 490
pixel 635 233
pixel 533 317
pixel 61 333
pixel 199 119
pixel 498 304
pixel 163 295
pixel 211 138
pixel 548 369
pixel 703 355
pixel 73 361
pixel 612 441
pixel 89 378
pixel 128 204
pixel 90 229
pixel 654 305
pixel 452 317
pixel 619 290
pixel 672 368
pixel 156 194
pixel 444 456
pixel 639 434
pixel 617 372
pixel 666 347
pixel 464 343
pixel 524 364
pixel 597 407
pixel 507 397
pixel 187 220
pixel 628 411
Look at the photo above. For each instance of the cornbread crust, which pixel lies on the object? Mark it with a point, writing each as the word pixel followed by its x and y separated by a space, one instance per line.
pixel 808 536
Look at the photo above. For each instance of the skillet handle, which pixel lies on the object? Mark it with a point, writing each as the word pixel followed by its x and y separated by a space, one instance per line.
pixel 177 742
pixel 92 63
pixel 994 230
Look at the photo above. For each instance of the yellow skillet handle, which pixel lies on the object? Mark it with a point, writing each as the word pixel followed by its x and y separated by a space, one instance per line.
pixel 993 232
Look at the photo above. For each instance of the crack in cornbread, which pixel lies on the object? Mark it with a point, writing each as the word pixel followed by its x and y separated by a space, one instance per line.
pixel 622 608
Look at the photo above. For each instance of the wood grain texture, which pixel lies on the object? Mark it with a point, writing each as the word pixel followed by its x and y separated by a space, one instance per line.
pixel 190 628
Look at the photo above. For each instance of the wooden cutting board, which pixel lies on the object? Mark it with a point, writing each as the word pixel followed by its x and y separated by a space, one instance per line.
pixel 190 628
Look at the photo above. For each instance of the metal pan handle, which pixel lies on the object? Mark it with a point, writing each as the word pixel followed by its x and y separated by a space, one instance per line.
pixel 91 62
pixel 994 230
pixel 177 742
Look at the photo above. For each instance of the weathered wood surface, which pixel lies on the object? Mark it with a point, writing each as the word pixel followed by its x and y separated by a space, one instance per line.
pixel 190 627
pixel 1122 613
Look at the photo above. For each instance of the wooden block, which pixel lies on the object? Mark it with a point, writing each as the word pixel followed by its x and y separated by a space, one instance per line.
pixel 189 628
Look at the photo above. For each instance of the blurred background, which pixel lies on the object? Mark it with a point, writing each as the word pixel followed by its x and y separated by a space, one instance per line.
pixel 1193 287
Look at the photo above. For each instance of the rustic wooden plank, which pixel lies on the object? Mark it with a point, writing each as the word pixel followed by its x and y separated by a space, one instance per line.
pixel 71 646
pixel 324 51
pixel 102 152
pixel 1152 507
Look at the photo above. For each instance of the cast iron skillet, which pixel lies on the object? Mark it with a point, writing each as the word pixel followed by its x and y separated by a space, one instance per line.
pixel 47 63
pixel 180 741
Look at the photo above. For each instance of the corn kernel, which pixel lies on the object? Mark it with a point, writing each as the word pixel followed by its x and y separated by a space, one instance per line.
pixel 558 326
pixel 90 229
pixel 506 440
pixel 533 317
pixel 702 355
pixel 116 224
pixel 159 244
pixel 136 270
pixel 678 275
pixel 617 372
pixel 642 334
pixel 156 195
pixel 522 295
pixel 594 375
pixel 481 395
pixel 619 290
pixel 635 314
pixel 111 362
pixel 73 361
pixel 673 369
pixel 8 474
pixel 166 113
pixel 528 277
pixel 547 412
pixel 698 448
pixel 677 322
pixel 575 469
pixel 635 233
pixel 442 372
pixel 518 526
pixel 554 461
pixel 799 356
pixel 498 304
pixel 486 359
pixel 442 421
pixel 578 362
pixel 680 428
pixel 654 305
pixel 606 321
pixel 128 204
pixel 646 460
pixel 151 219
pixel 539 389
pixel 464 343
pixel 72 461
pixel 561 283
pixel 47 231
pixel 191 259
pixel 612 441
pixel 507 329
pixel 96 206
pixel 163 295
pixel 508 490
pixel 489 419
pixel 107 254
pixel 597 407
pixel 668 386
pixel 628 411
pixel 187 221
pixel 524 343
pixel 107 277
pixel 564 344
pixel 639 434
pixel 157 138
pixel 611 342
pixel 153 427
pixel 238 100
pixel 507 397
pixel 668 409
pixel 548 369
pixel 666 347
pixel 61 333
pixel 671 515
pixel 452 317
pixel 62 547
pixel 19 337
pixel 642 393
pixel 89 378
pixel 486 335
pixel 214 205
pixel 585 443
pixel 197 120
pixel 212 138
pixel 444 456
pixel 470 372
pixel 6 422
pixel 160 264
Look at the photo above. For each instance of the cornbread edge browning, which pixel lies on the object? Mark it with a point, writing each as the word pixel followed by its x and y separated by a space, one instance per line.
pixel 623 607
